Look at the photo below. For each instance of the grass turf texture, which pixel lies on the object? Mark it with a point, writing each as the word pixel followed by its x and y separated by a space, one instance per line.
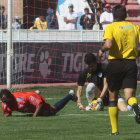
pixel 68 124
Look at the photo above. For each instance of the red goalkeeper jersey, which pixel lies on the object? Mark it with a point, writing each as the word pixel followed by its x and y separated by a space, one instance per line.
pixel 25 102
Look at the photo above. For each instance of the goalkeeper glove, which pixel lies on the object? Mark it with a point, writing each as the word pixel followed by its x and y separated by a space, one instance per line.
pixel 100 104
pixel 99 101
pixel 81 107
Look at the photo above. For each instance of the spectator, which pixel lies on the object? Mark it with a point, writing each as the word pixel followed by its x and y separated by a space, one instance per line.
pixel 51 19
pixel 40 24
pixel 97 7
pixel 87 20
pixel 70 18
pixel 97 4
pixel 107 16
pixel 2 18
pixel 17 24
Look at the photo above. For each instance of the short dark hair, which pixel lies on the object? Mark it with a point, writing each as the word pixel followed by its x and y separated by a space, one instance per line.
pixel 2 7
pixel 5 92
pixel 90 58
pixel 119 13
pixel 86 9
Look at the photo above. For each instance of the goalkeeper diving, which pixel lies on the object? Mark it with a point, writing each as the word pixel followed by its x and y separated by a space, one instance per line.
pixel 97 88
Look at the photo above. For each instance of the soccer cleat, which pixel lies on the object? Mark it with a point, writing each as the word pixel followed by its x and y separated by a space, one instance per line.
pixel 37 91
pixel 74 97
pixel 116 133
pixel 136 110
pixel 88 108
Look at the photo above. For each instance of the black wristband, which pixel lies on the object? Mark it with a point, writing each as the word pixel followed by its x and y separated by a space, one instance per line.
pixel 102 50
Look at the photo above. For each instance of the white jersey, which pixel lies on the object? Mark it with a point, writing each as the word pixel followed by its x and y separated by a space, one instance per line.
pixel 70 16
pixel 106 16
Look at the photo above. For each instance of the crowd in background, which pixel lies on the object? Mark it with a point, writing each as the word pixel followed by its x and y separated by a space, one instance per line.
pixel 87 20
pixel 3 23
pixel 100 14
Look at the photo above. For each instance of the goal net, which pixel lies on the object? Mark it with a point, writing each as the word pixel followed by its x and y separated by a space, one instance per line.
pixel 53 54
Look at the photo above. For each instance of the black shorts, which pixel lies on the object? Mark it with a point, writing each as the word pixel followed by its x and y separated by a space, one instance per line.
pixel 121 74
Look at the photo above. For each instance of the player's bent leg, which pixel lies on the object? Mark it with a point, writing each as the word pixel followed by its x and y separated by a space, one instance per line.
pixel 113 112
pixel 121 105
pixel 90 93
pixel 60 104
pixel 49 111
pixel 132 101
pixel 128 93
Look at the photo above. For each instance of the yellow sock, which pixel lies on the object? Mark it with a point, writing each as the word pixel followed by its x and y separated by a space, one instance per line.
pixel 132 101
pixel 113 114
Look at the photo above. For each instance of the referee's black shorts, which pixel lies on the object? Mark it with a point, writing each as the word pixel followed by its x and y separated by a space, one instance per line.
pixel 121 73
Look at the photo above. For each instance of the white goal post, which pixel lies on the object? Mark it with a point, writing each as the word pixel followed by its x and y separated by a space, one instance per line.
pixel 9 44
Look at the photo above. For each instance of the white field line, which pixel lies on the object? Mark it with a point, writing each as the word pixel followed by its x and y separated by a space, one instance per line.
pixel 53 98
pixel 61 98
pixel 83 115
pixel 128 115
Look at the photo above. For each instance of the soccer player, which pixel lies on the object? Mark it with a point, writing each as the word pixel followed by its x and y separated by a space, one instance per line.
pixel 121 40
pixel 31 102
pixel 97 86
pixel 93 74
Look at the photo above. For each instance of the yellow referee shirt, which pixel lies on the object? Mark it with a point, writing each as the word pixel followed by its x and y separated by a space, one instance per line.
pixel 125 37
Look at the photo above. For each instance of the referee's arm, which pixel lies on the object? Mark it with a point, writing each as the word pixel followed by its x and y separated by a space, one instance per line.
pixel 106 47
pixel 105 88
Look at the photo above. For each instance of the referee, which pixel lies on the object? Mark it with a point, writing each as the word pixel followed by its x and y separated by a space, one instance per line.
pixel 121 39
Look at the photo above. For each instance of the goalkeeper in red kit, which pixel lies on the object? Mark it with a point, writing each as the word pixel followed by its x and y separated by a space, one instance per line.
pixel 31 102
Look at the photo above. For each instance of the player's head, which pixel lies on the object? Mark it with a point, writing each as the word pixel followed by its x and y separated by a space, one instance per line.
pixel 5 96
pixel 91 61
pixel 119 13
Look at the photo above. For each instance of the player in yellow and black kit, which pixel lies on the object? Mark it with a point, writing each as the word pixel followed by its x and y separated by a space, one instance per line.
pixel 121 39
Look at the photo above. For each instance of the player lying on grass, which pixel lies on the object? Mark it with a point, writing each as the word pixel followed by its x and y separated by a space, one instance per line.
pixel 31 102
pixel 97 86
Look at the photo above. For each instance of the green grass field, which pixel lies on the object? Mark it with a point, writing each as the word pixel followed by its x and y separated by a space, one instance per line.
pixel 68 124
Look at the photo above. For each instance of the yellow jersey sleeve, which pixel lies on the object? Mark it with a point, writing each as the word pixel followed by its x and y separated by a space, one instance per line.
pixel 108 34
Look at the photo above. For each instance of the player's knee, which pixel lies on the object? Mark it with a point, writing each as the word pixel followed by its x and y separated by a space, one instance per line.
pixel 90 88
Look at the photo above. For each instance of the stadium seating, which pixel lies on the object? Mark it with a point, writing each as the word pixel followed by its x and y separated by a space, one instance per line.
pixel 133 9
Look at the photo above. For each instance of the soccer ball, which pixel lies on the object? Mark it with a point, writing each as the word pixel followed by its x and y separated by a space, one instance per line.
pixel 95 106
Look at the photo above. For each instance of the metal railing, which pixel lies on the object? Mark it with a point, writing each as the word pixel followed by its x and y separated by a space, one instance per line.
pixel 23 35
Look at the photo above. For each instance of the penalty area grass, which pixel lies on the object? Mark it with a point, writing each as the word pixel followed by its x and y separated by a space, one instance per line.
pixel 69 123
